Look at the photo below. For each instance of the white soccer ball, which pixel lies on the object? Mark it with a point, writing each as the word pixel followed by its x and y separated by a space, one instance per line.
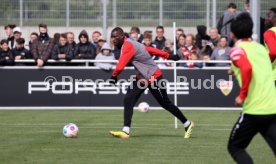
pixel 70 130
pixel 143 107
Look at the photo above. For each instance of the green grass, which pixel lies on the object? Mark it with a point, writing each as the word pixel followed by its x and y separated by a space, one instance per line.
pixel 36 137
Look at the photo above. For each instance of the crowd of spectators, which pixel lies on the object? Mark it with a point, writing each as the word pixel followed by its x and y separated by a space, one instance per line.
pixel 212 44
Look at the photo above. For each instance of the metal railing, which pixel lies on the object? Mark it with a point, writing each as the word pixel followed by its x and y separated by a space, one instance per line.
pixel 87 63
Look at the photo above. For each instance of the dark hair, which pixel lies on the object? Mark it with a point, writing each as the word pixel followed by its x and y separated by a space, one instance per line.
pixel 223 37
pixel 180 29
pixel 135 29
pixel 242 26
pixel 42 25
pixel 12 26
pixel 273 10
pixel 232 5
pixel 83 33
pixel 247 1
pixel 4 41
pixel 147 35
pixel 63 35
pixel 34 33
pixel 118 30
pixel 20 40
pixel 160 27
pixel 182 35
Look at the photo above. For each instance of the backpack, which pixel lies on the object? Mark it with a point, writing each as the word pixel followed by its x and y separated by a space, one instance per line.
pixel 220 23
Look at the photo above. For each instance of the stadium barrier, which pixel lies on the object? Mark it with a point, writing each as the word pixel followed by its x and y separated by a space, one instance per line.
pixel 85 87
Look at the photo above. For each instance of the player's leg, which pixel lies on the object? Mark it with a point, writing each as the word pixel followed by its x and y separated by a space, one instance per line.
pixel 242 133
pixel 158 90
pixel 132 96
pixel 269 133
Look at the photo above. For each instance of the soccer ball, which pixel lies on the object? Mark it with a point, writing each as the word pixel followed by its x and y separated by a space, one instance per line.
pixel 143 107
pixel 70 130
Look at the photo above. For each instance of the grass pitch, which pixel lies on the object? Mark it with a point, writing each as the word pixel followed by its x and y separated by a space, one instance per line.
pixel 36 137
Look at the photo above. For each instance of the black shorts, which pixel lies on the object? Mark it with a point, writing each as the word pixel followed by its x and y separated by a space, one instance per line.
pixel 247 127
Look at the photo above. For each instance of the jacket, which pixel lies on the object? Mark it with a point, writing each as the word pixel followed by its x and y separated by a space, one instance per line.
pixel 42 48
pixel 6 58
pixel 66 49
pixel 23 52
pixel 84 51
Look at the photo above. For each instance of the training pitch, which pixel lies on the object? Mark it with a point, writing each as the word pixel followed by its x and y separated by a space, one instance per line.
pixel 36 137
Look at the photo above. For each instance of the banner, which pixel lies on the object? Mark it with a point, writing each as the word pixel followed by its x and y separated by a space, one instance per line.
pixel 87 87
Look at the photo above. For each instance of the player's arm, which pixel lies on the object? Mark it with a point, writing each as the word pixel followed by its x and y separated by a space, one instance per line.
pixel 127 54
pixel 240 60
pixel 270 40
pixel 157 52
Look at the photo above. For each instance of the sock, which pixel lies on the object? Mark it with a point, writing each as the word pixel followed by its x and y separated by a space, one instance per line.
pixel 186 124
pixel 126 129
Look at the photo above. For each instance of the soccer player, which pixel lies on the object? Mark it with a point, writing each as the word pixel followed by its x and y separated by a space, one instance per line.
pixel 270 37
pixel 149 76
pixel 252 67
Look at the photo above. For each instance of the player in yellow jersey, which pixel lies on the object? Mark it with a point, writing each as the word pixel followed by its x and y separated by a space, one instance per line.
pixel 252 68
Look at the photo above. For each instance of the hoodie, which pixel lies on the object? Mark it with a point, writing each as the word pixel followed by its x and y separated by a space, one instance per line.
pixel 101 56
pixel 84 50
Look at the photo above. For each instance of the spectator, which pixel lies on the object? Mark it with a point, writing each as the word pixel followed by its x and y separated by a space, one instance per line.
pixel 33 37
pixel 214 37
pixel 261 25
pixel 134 36
pixel 201 37
pixel 225 21
pixel 222 52
pixel 105 54
pixel 168 48
pixel 84 49
pixel 5 54
pixel 190 42
pixel 190 46
pixel 178 32
pixel 95 38
pixel 63 49
pixel 181 41
pixel 147 40
pixel 160 39
pixel 17 33
pixel 20 52
pixel 100 43
pixel 56 38
pixel 42 47
pixel 9 32
pixel 193 64
pixel 136 30
pixel 71 40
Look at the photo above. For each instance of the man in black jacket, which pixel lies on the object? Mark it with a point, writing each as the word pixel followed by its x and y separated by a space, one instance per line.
pixel 160 39
pixel 84 49
pixel 62 50
pixel 20 52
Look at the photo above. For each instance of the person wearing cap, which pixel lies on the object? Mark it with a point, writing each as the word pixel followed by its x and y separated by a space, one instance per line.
pixel 84 49
pixel 105 54
pixel 42 47
pixel 17 34
pixel 99 45
pixel 20 52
